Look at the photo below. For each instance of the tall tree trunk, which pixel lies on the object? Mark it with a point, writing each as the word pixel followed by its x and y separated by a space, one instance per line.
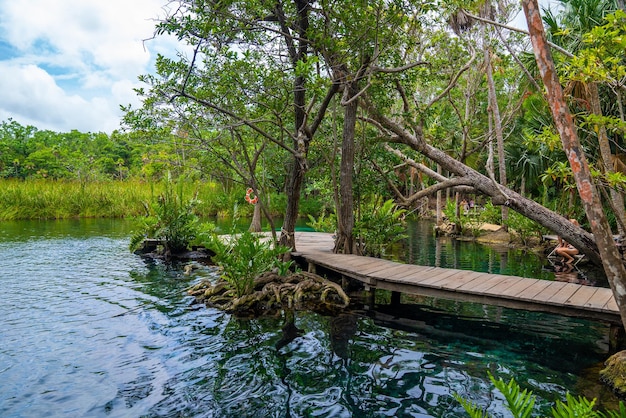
pixel 494 109
pixel 345 240
pixel 611 260
pixel 293 192
pixel 439 210
pixel 297 53
pixel 607 157
pixel 255 224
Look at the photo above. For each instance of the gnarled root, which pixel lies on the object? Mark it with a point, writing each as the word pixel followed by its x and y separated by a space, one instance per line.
pixel 272 292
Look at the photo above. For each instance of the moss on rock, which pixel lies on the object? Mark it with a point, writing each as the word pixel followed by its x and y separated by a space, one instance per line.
pixel 614 373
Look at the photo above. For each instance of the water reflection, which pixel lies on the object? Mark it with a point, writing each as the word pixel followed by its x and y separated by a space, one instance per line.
pixel 92 330
pixel 566 272
pixel 423 248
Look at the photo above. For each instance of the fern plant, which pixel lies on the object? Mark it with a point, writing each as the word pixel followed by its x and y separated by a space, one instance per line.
pixel 380 228
pixel 171 219
pixel 245 257
pixel 521 403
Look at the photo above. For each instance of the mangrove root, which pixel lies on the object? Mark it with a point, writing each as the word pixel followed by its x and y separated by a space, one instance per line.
pixel 301 290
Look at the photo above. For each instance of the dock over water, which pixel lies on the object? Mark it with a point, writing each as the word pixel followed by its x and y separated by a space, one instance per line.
pixel 569 299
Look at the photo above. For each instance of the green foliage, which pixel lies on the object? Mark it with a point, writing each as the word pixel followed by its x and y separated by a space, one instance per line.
pixel 521 404
pixel 525 228
pixel 172 220
pixel 491 213
pixel 246 256
pixel 50 199
pixel 324 223
pixel 380 228
pixel 574 407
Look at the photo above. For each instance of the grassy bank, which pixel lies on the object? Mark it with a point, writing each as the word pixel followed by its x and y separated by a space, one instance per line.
pixel 49 199
pixel 52 199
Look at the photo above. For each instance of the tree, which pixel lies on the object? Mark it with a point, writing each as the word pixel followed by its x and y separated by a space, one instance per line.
pixel 611 260
pixel 250 65
pixel 570 28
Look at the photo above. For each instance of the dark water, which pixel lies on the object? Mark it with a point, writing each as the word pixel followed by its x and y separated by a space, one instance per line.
pixel 89 330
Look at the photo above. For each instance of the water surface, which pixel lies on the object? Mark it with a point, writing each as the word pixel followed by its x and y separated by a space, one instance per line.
pixel 89 329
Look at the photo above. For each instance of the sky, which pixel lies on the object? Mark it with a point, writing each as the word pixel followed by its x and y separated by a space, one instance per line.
pixel 70 64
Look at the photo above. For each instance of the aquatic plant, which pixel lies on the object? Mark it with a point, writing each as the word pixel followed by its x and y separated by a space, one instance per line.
pixel 171 220
pixel 380 228
pixel 521 404
pixel 243 258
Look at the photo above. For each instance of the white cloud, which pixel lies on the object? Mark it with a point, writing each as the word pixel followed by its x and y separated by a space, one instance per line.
pixel 73 62
pixel 31 96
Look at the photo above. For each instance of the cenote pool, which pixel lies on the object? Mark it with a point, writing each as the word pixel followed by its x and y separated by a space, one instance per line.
pixel 91 330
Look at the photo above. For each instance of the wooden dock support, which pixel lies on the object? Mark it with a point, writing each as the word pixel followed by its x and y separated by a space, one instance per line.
pixel 395 298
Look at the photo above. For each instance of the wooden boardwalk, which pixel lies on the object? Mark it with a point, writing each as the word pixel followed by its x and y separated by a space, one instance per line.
pixel 493 289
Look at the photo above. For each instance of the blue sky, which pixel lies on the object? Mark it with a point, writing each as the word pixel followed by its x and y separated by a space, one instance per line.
pixel 69 64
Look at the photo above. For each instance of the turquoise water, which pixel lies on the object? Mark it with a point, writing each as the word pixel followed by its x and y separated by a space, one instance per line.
pixel 423 248
pixel 89 330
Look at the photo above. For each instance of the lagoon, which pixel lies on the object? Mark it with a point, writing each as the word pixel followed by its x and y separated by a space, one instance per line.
pixel 89 329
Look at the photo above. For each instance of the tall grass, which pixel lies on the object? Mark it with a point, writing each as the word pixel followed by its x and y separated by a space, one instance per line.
pixel 49 199
pixel 62 199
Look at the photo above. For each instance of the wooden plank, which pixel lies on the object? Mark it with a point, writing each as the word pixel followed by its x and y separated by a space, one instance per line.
pixel 564 294
pixel 519 287
pixel 372 269
pixel 533 290
pixel 403 270
pixel 611 305
pixel 547 293
pixel 503 283
pixel 582 295
pixel 422 271
pixel 437 275
pixel 599 300
pixel 472 285
pixel 487 283
pixel 455 281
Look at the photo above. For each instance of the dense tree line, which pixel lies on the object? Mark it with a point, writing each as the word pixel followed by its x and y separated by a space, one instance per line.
pixel 29 153
pixel 357 102
pixel 399 98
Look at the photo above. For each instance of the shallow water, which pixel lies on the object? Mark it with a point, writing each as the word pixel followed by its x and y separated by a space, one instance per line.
pixel 423 248
pixel 90 330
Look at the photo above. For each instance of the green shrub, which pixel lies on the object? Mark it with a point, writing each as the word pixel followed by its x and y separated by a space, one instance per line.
pixel 524 228
pixel 246 256
pixel 172 220
pixel 324 223
pixel 380 228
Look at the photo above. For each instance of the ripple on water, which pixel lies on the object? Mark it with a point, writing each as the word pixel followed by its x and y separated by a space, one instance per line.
pixel 91 330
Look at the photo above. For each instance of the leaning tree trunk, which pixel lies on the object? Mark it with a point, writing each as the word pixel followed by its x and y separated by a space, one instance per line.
pixel 611 260
pixel 500 195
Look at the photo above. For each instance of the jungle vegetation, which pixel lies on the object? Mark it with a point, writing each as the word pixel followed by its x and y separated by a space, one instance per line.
pixel 353 103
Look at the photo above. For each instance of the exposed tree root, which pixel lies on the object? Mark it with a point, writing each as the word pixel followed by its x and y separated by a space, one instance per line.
pixel 272 292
